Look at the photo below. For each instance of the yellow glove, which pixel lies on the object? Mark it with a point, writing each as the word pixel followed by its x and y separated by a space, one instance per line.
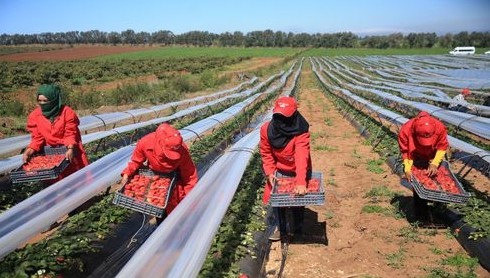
pixel 407 165
pixel 438 158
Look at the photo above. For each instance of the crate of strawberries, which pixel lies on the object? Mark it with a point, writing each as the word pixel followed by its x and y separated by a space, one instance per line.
pixel 443 187
pixel 282 194
pixel 46 165
pixel 147 192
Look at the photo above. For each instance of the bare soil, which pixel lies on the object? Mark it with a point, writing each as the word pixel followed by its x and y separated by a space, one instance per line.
pixel 340 239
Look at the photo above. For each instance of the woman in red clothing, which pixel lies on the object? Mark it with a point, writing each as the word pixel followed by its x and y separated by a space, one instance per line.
pixel 165 152
pixel 285 148
pixel 54 124
pixel 423 143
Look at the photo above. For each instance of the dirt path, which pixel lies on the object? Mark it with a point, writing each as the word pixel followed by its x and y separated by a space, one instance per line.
pixel 357 244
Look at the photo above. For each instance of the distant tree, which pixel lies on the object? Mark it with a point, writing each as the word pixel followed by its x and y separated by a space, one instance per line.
pixel 45 38
pixel 421 39
pixel 280 39
pixel 4 39
pixel 338 39
pixel 98 36
pixel 17 39
pixel 462 39
pixel 163 37
pixel 238 38
pixel 414 40
pixel 143 38
pixel 128 37
pixel 268 38
pixel 72 37
pixel 375 42
pixel 429 39
pixel 479 39
pixel 30 39
pixel 347 39
pixel 253 38
pixel 225 39
pixel 486 39
pixel 303 40
pixel 396 40
pixel 90 37
pixel 114 38
pixel 196 38
pixel 446 41
pixel 289 39
pixel 325 40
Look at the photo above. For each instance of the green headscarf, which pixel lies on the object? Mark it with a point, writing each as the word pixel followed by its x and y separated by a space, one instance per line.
pixel 53 94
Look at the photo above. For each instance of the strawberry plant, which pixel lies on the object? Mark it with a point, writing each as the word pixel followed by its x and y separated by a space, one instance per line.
pixel 234 239
pixel 476 212
pixel 80 234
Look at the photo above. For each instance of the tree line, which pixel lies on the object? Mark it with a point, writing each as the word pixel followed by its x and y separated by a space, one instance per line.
pixel 267 38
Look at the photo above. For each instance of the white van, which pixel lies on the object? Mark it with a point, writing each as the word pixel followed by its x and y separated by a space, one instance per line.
pixel 463 50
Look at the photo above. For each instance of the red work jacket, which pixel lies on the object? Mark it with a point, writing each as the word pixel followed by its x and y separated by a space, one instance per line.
pixel 187 172
pixel 409 147
pixel 63 131
pixel 294 157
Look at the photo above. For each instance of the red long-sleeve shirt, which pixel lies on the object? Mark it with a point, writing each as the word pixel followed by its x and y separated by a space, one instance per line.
pixel 294 157
pixel 63 131
pixel 409 147
pixel 187 172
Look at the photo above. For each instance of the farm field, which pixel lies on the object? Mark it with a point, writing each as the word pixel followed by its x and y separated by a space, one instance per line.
pixel 175 71
pixel 67 54
pixel 172 52
pixel 361 243
pixel 105 52
pixel 366 227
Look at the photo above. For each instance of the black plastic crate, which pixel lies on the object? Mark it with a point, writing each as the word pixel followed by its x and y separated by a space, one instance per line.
pixel 20 175
pixel 288 200
pixel 142 206
pixel 441 195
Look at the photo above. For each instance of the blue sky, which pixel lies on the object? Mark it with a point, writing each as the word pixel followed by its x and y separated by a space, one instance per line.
pixel 362 17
